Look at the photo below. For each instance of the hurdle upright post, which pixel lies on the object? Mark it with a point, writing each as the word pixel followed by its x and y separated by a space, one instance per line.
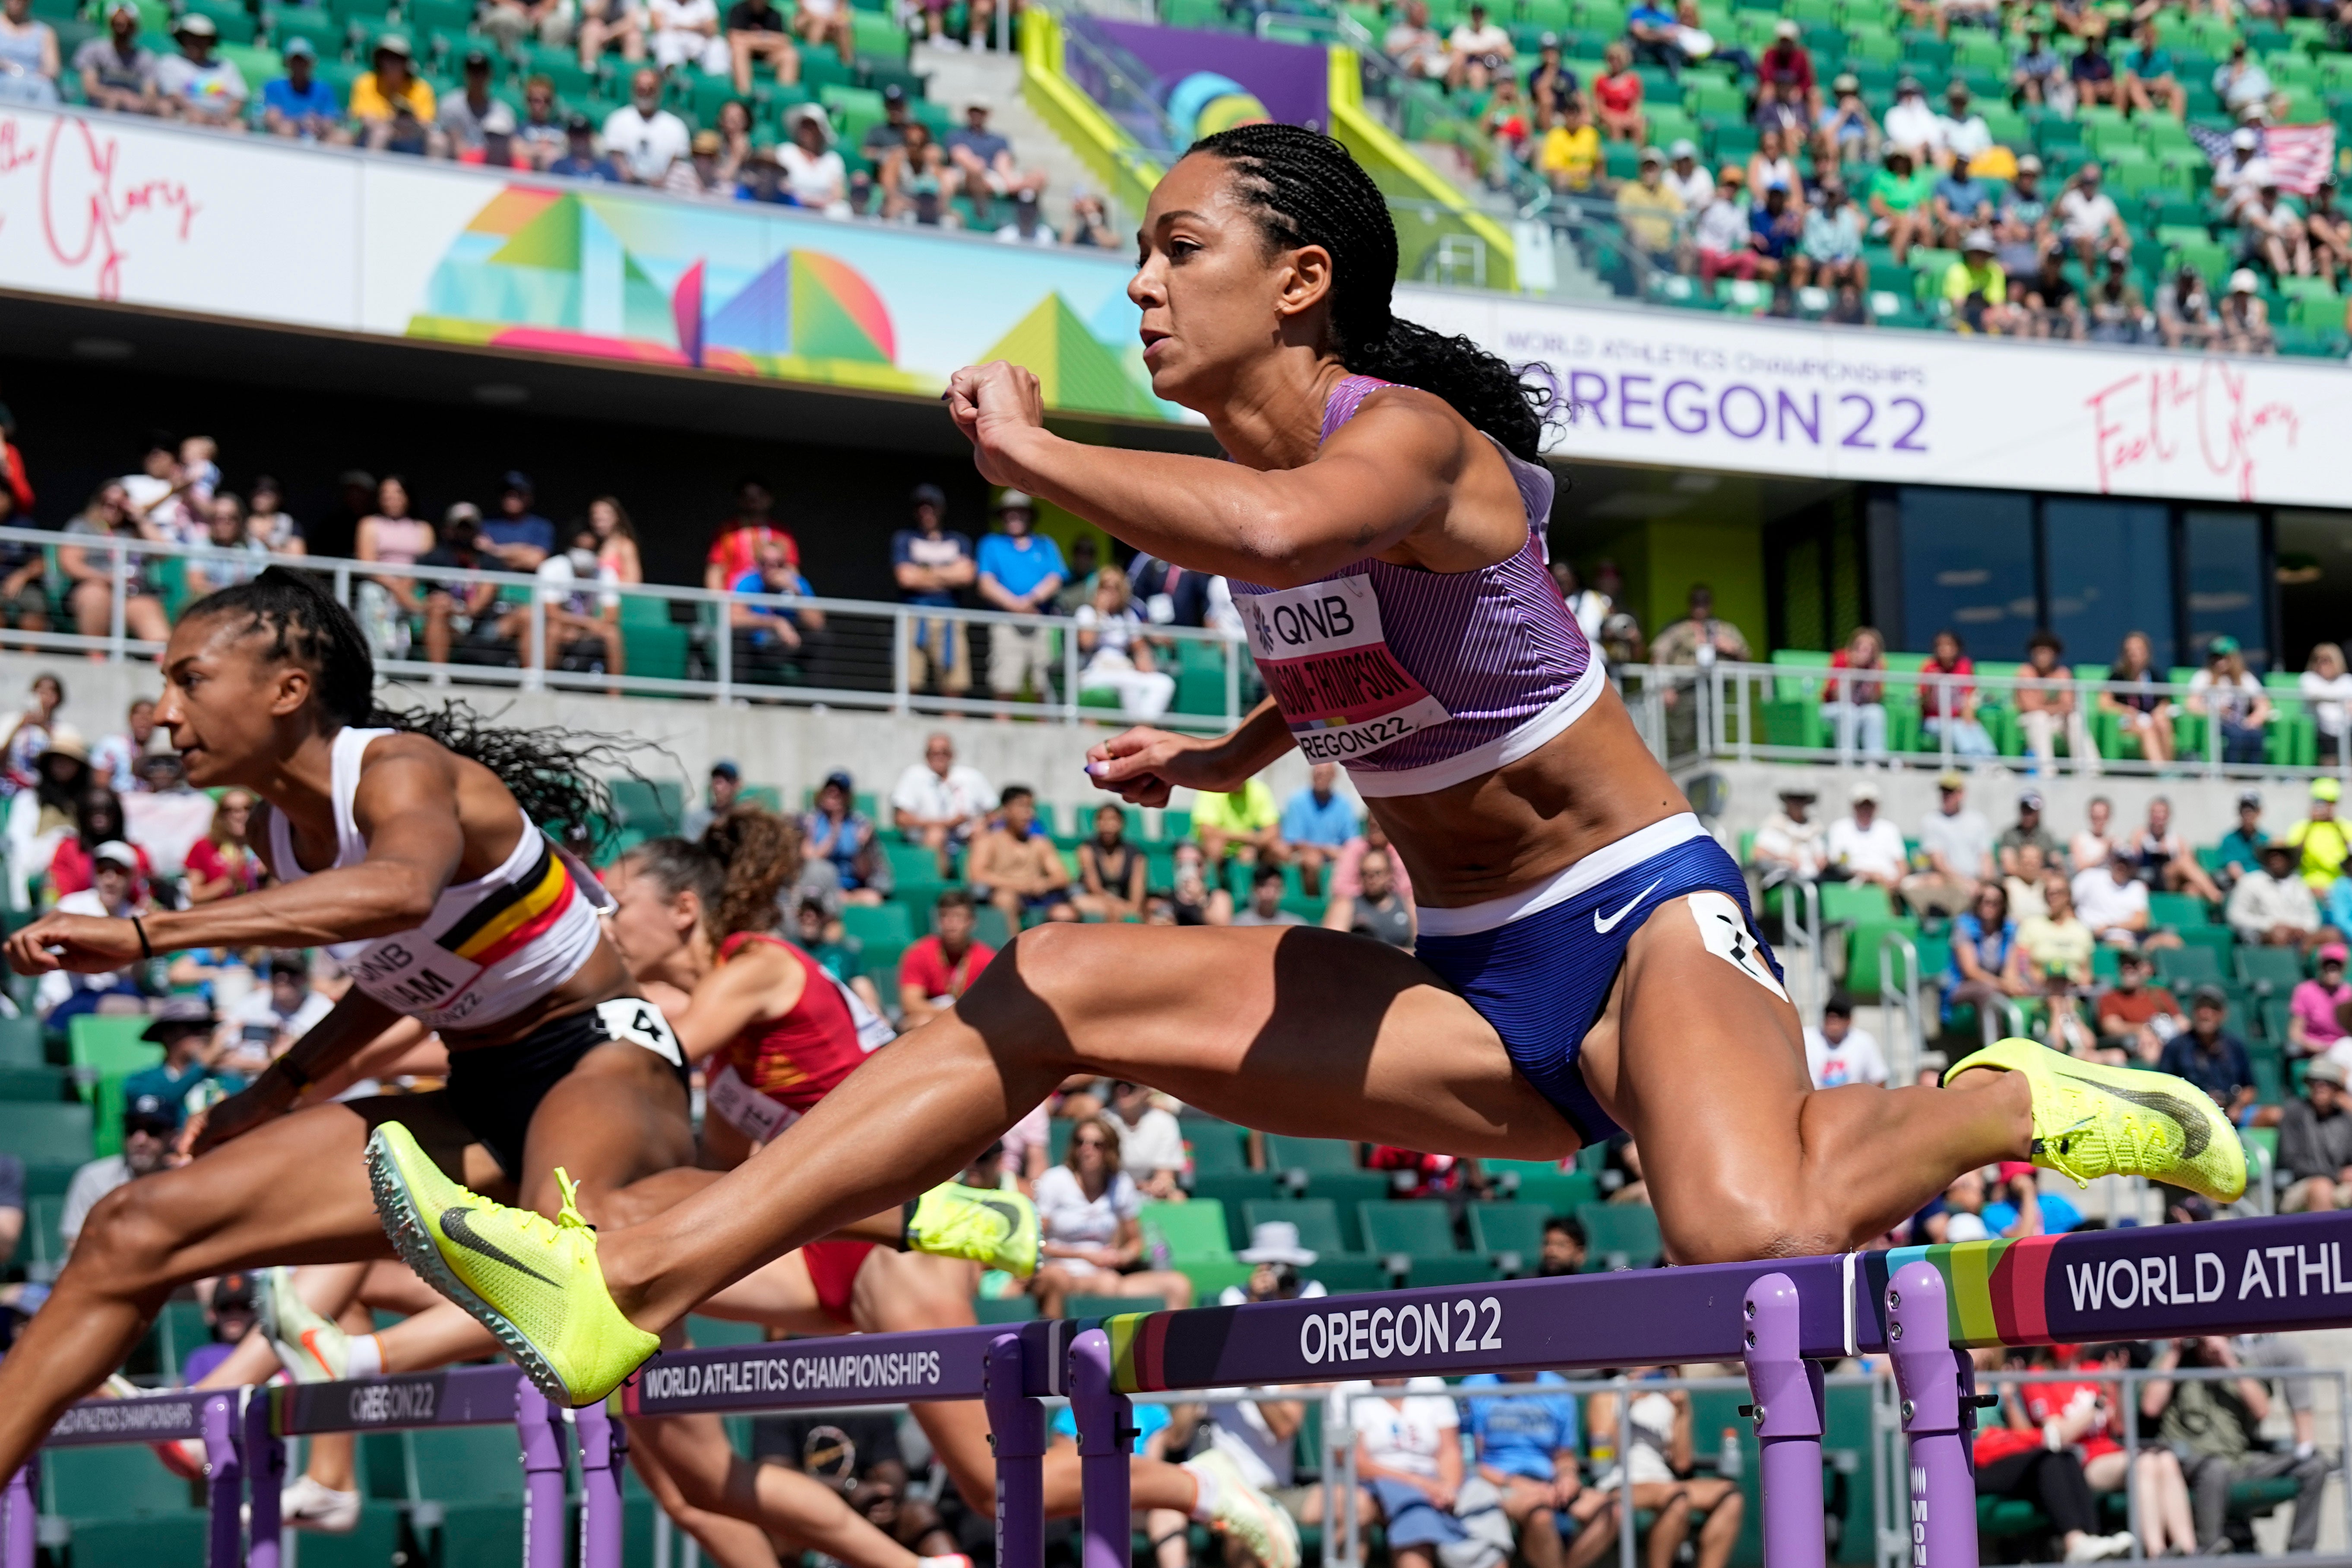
pixel 1105 1422
pixel 1788 1411
pixel 23 1502
pixel 603 1443
pixel 543 1520
pixel 1938 1385
pixel 224 1483
pixel 265 1479
pixel 1016 1433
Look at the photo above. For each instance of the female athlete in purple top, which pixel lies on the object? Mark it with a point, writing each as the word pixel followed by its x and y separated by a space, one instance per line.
pixel 1586 954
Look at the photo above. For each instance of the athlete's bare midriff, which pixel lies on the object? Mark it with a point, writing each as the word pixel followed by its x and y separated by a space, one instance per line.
pixel 1522 824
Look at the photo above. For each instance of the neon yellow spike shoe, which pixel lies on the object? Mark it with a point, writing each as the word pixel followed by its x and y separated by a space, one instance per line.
pixel 531 1280
pixel 996 1229
pixel 308 1345
pixel 1242 1513
pixel 2091 1119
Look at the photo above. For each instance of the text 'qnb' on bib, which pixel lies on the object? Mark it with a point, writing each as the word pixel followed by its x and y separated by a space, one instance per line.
pixel 1323 655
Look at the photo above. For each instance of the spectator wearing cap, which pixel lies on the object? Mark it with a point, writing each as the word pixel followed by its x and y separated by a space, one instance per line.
pixel 1956 844
pixel 2315 1141
pixel 2240 851
pixel 813 174
pixel 64 996
pixel 149 1125
pixel 758 32
pixel 2272 905
pixel 1790 846
pixel 116 71
pixel 984 159
pixel 2028 829
pixel 2240 82
pixel 2091 73
pixel 2048 305
pixel 720 791
pixel 1829 253
pixel 1839 1052
pixel 456 609
pixel 887 134
pixel 2315 1023
pixel 299 105
pixel 939 801
pixel 1686 179
pixel 2113 900
pixel 2038 75
pixel 1019 571
pixel 1961 134
pixel 186 1028
pixel 581 158
pixel 645 139
pixel 1477 51
pixel 1650 213
pixel 1976 291
pixel 1568 155
pixel 2210 1057
pixel 391 80
pixel 1863 846
pixel 2023 222
pixel 1845 130
pixel 2331 243
pixel 698 173
pixel 265 1024
pixel 834 832
pixel 517 538
pixel 2322 845
pixel 2135 1017
pixel 684 34
pixel 468 120
pixel 1550 84
pixel 931 563
pixel 2088 219
pixel 2227 692
pixel 1784 74
pixel 1900 197
pixel 2271 234
pixel 28 73
pixel 1720 236
pixel 2242 322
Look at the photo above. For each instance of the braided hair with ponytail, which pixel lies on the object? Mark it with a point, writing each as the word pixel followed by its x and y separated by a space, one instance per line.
pixel 548 771
pixel 1305 190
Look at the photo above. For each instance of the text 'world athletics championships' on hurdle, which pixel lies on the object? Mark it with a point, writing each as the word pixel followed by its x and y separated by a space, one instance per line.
pixel 1920 1306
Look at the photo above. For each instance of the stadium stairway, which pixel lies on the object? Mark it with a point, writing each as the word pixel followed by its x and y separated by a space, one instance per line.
pixel 957 76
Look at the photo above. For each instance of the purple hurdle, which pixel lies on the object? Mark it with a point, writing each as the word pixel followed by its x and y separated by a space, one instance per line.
pixel 1789 1413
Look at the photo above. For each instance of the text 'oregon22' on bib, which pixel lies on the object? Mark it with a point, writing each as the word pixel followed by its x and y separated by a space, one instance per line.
pixel 1322 654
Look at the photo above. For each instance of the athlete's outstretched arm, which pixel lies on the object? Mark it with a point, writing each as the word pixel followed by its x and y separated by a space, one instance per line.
pixel 1140 765
pixel 1376 480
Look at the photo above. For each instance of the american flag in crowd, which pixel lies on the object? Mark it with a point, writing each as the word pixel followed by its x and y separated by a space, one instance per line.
pixel 2298 154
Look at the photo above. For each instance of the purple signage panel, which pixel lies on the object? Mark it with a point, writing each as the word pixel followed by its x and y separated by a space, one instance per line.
pixel 1293 80
pixel 862 1369
pixel 461 1397
pixel 154 1419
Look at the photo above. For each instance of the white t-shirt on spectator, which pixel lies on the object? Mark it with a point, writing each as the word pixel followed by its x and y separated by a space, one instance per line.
pixel 2104 904
pixel 1722 227
pixel 648 144
pixel 2082 216
pixel 1406 1434
pixel 90 1183
pixel 1964 138
pixel 1856 1059
pixel 59 984
pixel 1072 1218
pixel 1876 851
pixel 1697 189
pixel 923 794
pixel 1240 1432
pixel 821 183
pixel 1795 849
pixel 167 826
pixel 675 43
pixel 2229 702
pixel 1476 42
pixel 1963 838
pixel 1914 127
pixel 1153 1144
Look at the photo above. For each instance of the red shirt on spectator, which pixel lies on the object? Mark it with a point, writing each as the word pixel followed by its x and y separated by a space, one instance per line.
pixel 1619 93
pixel 71 869
pixel 2045 1401
pixel 1864 691
pixel 736 548
pixel 205 859
pixel 926 964
pixel 1787 64
pixel 1932 695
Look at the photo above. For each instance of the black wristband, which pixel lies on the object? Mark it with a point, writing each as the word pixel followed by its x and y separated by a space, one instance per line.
pixel 138 925
pixel 293 1074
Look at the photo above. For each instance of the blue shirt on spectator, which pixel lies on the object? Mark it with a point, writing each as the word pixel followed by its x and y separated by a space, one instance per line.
pixel 531 528
pixel 1518 1437
pixel 1149 1418
pixel 1964 194
pixel 1648 15
pixel 1020 565
pixel 756 582
pixel 1992 952
pixel 2058 1215
pixel 912 547
pixel 1306 820
pixel 318 101
pixel 2221 1073
pixel 580 169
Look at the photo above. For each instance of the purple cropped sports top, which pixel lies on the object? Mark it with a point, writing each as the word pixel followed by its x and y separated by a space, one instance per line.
pixel 1418 680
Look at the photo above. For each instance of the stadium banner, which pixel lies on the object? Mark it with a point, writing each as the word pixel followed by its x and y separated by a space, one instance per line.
pixel 115 209
pixel 1686 390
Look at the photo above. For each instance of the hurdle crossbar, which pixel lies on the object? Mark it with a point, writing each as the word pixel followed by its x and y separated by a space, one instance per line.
pixel 1922 1307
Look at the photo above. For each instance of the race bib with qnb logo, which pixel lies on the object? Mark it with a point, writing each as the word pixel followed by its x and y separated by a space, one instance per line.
pixel 1322 654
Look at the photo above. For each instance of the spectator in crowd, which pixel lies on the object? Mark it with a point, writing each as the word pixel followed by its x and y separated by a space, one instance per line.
pixel 722 790
pixel 160 491
pixel 540 137
pixel 516 537
pixel 2051 305
pixel 240 557
pixel 2184 312
pixel 918 181
pixel 2023 222
pixel 581 158
pixel 1961 135
pixel 1569 156
pixel 1028 226
pixel 1550 84
pixel 1653 28
pixel 2136 1018
pixel 2324 847
pixel 2039 73
pixel 887 134
pixel 23 598
pixel 391 80
pixel 1839 1052
pixel 196 85
pixel 1317 822
pixel 1528 1449
pixel 1984 939
pixel 1111 870
pixel 149 1125
pixel 1089 1208
pixel 2216 1428
pixel 2314 1021
pixel 1720 236
pixel 62 996
pixel 1700 637
pixel 1117 655
pixel 1617 96
pixel 2113 902
pixel 1244 825
pixel 89 573
pixel 735 543
pixel 1089 227
pixel 458 610
pixel 1151 1142
pixel 984 162
pixel 940 802
pixel 2088 218
pixel 1192 898
pixel 2132 695
pixel 1020 571
pixel 114 760
pixel 1662 1456
pixel 1900 198
pixel 2239 848
pixel 2272 905
pixel 840 954
pixel 835 833
pixel 1863 846
pixel 603 25
pixel 1417 49
pixel 167 816
pixel 1914 127
pixel 1014 866
pixel 757 31
pixel 116 71
pixel 819 23
pixel 1775 230
pixel 767 636
pixel 27 733
pixel 183 1026
pixel 2024 883
pixel 1478 52
pixel 2014 1463
pixel 1790 846
pixel 98 821
pixel 685 34
pixel 2240 82
pixel 1265 905
pixel 1829 255
pixel 12 1206
pixel 1843 131
pixel 1963 202
pixel 2227 692
pixel 698 173
pixel 223 861
pixel 2242 322
pixel 1409 1459
pixel 1785 75
pixel 2046 707
pixel 390 535
pixel 2239 174
pixel 935 972
pixel 1377 908
pixel 2056 944
pixel 2330 228
pixel 2150 78
pixel 644 137
pixel 2210 1056
pixel 1506 121
pixel 2315 1142
pixel 468 120
pixel 1948 697
pixel 930 564
pixel 29 73
pixel 1695 187
pixel 2163 858
pixel 2326 691
pixel 1957 842
pixel 2028 831
pixel 1565 1247
pixel 1650 213
pixel 2091 73
pixel 299 105
pixel 1773 166
pixel 1976 291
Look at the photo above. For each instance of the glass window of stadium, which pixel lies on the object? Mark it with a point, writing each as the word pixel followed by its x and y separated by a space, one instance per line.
pixel 1993 565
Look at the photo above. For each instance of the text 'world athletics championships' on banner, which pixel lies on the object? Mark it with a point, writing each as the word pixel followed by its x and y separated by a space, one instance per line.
pixel 118 209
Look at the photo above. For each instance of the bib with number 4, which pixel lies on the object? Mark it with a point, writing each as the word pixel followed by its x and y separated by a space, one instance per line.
pixel 1326 661
pixel 637 1021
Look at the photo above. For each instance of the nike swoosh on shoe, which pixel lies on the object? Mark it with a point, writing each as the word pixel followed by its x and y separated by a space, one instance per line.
pixel 455 1226
pixel 2194 1132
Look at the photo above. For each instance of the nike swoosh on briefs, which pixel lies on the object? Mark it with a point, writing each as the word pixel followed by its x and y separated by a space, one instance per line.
pixel 455 1226
pixel 1602 928
pixel 2195 1134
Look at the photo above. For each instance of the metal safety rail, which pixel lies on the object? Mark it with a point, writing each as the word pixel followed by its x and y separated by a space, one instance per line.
pixel 1920 1307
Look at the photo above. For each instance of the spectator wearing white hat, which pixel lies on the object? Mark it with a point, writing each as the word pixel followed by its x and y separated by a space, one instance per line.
pixel 196 85
pixel 1911 125
pixel 813 172
pixel 2272 906
pixel 1863 846
pixel 1276 1257
pixel 2245 320
pixel 64 996
pixel 1686 178
pixel 2314 1142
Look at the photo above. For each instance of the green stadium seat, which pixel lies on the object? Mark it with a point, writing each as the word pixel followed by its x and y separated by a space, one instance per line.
pixel 1216 1146
pixel 1499 1229
pixel 656 806
pixel 1004 1309
pixel 1407 1228
pixel 108 1046
pixel 1233 1193
pixel 2195 965
pixel 2270 970
pixel 45 1135
pixel 1074 1308
pixel 1194 1232
pixel 40 1085
pixel 2179 911
pixel 1619 1236
pixel 1313 1155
